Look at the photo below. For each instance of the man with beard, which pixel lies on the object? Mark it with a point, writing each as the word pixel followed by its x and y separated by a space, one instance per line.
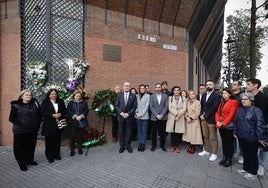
pixel 209 105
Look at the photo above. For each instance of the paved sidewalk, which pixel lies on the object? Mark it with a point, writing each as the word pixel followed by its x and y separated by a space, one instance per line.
pixel 105 167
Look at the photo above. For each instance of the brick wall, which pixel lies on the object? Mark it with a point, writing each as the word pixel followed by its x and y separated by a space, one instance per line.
pixel 142 61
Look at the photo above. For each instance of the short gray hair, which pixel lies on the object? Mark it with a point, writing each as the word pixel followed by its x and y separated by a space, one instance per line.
pixel 249 95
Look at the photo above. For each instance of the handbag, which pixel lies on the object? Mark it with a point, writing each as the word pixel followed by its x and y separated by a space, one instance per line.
pixel 83 123
pixel 62 123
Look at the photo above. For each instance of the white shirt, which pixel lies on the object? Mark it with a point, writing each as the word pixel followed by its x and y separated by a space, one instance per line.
pixel 158 98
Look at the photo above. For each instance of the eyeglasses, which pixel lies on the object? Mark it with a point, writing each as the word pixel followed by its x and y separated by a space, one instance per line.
pixel 244 99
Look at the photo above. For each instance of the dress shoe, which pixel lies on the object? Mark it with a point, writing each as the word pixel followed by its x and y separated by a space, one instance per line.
pixel 139 147
pixel 228 163
pixel 80 151
pixel 153 149
pixel 121 150
pixel 23 166
pixel 191 150
pixel 224 159
pixel 33 163
pixel 178 150
pixel 164 149
pixel 142 147
pixel 129 150
pixel 58 158
pixel 171 149
pixel 50 160
pixel 72 153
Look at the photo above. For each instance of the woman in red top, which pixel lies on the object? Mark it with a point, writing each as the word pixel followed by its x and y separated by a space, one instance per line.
pixel 224 117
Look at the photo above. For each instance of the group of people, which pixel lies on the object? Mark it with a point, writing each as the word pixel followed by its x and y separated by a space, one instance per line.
pixel 240 118
pixel 26 116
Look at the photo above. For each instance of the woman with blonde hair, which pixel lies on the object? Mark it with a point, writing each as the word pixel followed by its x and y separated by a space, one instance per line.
pixel 193 133
pixel 26 117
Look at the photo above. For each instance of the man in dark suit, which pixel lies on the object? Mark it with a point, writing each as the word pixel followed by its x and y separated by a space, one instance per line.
pixel 209 105
pixel 201 91
pixel 158 107
pixel 125 105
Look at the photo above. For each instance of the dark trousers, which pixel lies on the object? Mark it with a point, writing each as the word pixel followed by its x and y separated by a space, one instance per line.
pixel 176 139
pixel 250 155
pixel 227 139
pixel 125 133
pixel 160 127
pixel 52 144
pixel 114 127
pixel 76 135
pixel 24 147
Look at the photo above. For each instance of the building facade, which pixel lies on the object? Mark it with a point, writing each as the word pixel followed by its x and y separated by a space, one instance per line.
pixel 136 41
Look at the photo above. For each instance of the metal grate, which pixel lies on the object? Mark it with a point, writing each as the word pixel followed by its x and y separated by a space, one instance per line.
pixel 51 30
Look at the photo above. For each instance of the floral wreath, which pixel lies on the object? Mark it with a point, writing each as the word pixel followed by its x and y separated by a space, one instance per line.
pixel 76 71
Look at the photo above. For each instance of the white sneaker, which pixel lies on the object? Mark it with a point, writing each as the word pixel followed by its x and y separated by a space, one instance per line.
pixel 249 176
pixel 203 153
pixel 213 157
pixel 260 171
pixel 241 172
pixel 241 160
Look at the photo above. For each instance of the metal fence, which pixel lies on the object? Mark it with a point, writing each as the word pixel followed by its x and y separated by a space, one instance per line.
pixel 51 30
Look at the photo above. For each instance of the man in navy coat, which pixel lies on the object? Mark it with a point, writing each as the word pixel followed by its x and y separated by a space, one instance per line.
pixel 125 105
pixel 209 105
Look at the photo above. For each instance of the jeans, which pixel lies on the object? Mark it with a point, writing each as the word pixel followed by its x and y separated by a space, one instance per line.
pixel 142 130
pixel 263 158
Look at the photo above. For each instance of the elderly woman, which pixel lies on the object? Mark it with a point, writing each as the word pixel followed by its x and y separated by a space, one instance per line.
pixel 77 110
pixel 248 128
pixel 176 122
pixel 192 133
pixel 26 117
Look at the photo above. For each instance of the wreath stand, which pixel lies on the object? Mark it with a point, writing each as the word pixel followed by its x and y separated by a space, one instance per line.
pixel 99 139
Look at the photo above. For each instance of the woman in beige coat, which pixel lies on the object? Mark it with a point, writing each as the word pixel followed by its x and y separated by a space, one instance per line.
pixel 176 122
pixel 193 133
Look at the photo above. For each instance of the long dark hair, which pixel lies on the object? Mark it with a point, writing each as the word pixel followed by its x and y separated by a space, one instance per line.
pixel 175 87
pixel 141 94
pixel 50 91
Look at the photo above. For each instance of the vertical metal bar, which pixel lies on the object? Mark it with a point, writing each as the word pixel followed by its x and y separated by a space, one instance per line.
pixel 48 37
pixel 106 12
pixel 160 16
pixel 144 14
pixel 5 9
pixel 85 9
pixel 175 17
pixel 126 11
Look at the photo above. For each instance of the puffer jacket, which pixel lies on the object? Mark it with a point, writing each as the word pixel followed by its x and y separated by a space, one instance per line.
pixel 26 117
pixel 249 123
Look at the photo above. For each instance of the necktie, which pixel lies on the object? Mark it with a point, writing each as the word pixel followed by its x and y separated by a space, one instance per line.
pixel 126 98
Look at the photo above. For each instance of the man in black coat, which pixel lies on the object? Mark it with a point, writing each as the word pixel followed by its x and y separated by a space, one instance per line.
pixel 209 105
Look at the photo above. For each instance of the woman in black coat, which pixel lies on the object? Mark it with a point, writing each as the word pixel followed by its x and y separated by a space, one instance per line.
pixel 77 111
pixel 53 110
pixel 26 117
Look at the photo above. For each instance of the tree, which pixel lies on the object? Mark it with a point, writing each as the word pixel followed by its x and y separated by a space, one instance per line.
pixel 239 29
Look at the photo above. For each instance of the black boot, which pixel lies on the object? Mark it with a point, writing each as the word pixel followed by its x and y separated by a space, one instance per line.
pixel 139 147
pixel 223 161
pixel 228 162
pixel 142 147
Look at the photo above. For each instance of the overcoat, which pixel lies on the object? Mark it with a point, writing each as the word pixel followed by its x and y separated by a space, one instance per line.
pixel 193 132
pixel 174 108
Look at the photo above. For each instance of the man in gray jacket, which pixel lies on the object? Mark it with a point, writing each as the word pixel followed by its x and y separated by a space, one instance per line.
pixel 158 107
